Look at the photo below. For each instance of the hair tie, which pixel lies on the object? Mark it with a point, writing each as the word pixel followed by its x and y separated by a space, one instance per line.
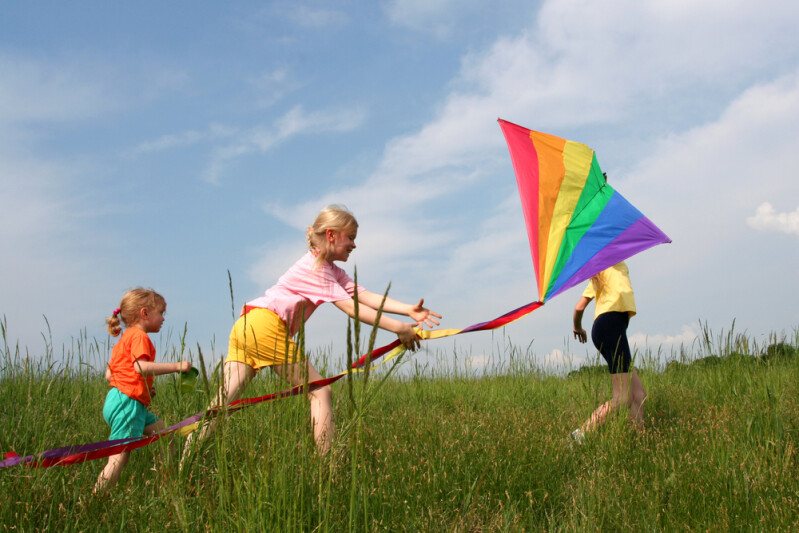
pixel 117 311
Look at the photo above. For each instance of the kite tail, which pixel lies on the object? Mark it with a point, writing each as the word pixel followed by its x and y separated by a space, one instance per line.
pixel 69 455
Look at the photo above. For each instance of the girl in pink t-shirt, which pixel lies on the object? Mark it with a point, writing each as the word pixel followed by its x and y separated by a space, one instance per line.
pixel 262 336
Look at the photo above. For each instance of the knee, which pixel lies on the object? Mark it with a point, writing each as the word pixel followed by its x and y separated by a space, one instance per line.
pixel 154 428
pixel 322 395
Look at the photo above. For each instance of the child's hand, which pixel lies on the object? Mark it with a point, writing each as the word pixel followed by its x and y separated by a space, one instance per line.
pixel 580 335
pixel 152 392
pixel 185 366
pixel 423 316
pixel 408 337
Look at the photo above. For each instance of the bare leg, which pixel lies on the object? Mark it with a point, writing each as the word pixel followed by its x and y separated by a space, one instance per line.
pixel 152 429
pixel 110 474
pixel 600 415
pixel 235 378
pixel 321 401
pixel 637 400
pixel 627 390
pixel 113 469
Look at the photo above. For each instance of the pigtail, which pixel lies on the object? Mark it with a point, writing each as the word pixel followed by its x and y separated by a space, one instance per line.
pixel 114 329
pixel 311 239
pixel 315 238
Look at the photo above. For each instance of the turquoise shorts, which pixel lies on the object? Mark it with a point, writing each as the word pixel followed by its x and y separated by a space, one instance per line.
pixel 126 416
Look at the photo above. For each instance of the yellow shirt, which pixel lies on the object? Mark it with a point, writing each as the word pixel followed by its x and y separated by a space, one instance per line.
pixel 612 290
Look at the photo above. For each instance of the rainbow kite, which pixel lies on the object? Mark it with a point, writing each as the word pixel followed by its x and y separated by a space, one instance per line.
pixel 577 226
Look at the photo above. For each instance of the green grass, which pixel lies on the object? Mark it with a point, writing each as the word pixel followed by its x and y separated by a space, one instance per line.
pixel 443 450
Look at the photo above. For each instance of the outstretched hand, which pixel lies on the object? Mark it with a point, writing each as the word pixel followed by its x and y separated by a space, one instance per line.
pixel 408 337
pixel 423 316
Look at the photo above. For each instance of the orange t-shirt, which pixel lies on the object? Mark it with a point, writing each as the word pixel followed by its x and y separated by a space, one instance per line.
pixel 134 344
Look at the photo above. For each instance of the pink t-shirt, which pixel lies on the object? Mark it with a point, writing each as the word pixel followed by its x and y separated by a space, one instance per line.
pixel 305 288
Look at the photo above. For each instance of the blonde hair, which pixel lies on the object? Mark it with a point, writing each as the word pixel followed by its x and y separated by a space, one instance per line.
pixel 132 302
pixel 335 217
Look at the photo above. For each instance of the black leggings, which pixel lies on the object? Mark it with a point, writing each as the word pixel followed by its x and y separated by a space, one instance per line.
pixel 609 335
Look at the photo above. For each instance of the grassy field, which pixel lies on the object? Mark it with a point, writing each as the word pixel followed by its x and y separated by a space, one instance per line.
pixel 429 451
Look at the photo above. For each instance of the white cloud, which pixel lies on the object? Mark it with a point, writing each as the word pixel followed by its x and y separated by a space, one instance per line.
pixel 280 19
pixel 477 362
pixel 315 18
pixel 56 89
pixel 656 40
pixel 582 65
pixel 50 203
pixel 573 70
pixel 154 82
pixel 294 122
pixel 272 262
pixel 186 138
pixel 767 219
pixel 558 359
pixel 38 207
pixel 434 17
pixel 476 256
pixel 272 86
pixel 557 73
pixel 50 91
pixel 733 163
pixel 50 249
pixel 686 337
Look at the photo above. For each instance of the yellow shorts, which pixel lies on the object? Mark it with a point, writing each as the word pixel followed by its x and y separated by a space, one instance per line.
pixel 260 338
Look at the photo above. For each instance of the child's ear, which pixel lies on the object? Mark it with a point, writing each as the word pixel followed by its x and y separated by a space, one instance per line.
pixel 143 313
pixel 330 234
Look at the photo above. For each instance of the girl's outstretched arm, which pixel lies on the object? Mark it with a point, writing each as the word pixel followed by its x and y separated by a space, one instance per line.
pixel 417 312
pixel 149 368
pixel 368 315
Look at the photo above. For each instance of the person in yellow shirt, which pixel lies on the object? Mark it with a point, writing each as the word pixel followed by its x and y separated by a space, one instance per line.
pixel 615 305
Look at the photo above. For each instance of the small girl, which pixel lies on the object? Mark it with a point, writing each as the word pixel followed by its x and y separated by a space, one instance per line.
pixel 130 374
pixel 263 334
pixel 615 305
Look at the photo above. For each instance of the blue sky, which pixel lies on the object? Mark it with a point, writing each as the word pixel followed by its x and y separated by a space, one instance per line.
pixel 165 144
